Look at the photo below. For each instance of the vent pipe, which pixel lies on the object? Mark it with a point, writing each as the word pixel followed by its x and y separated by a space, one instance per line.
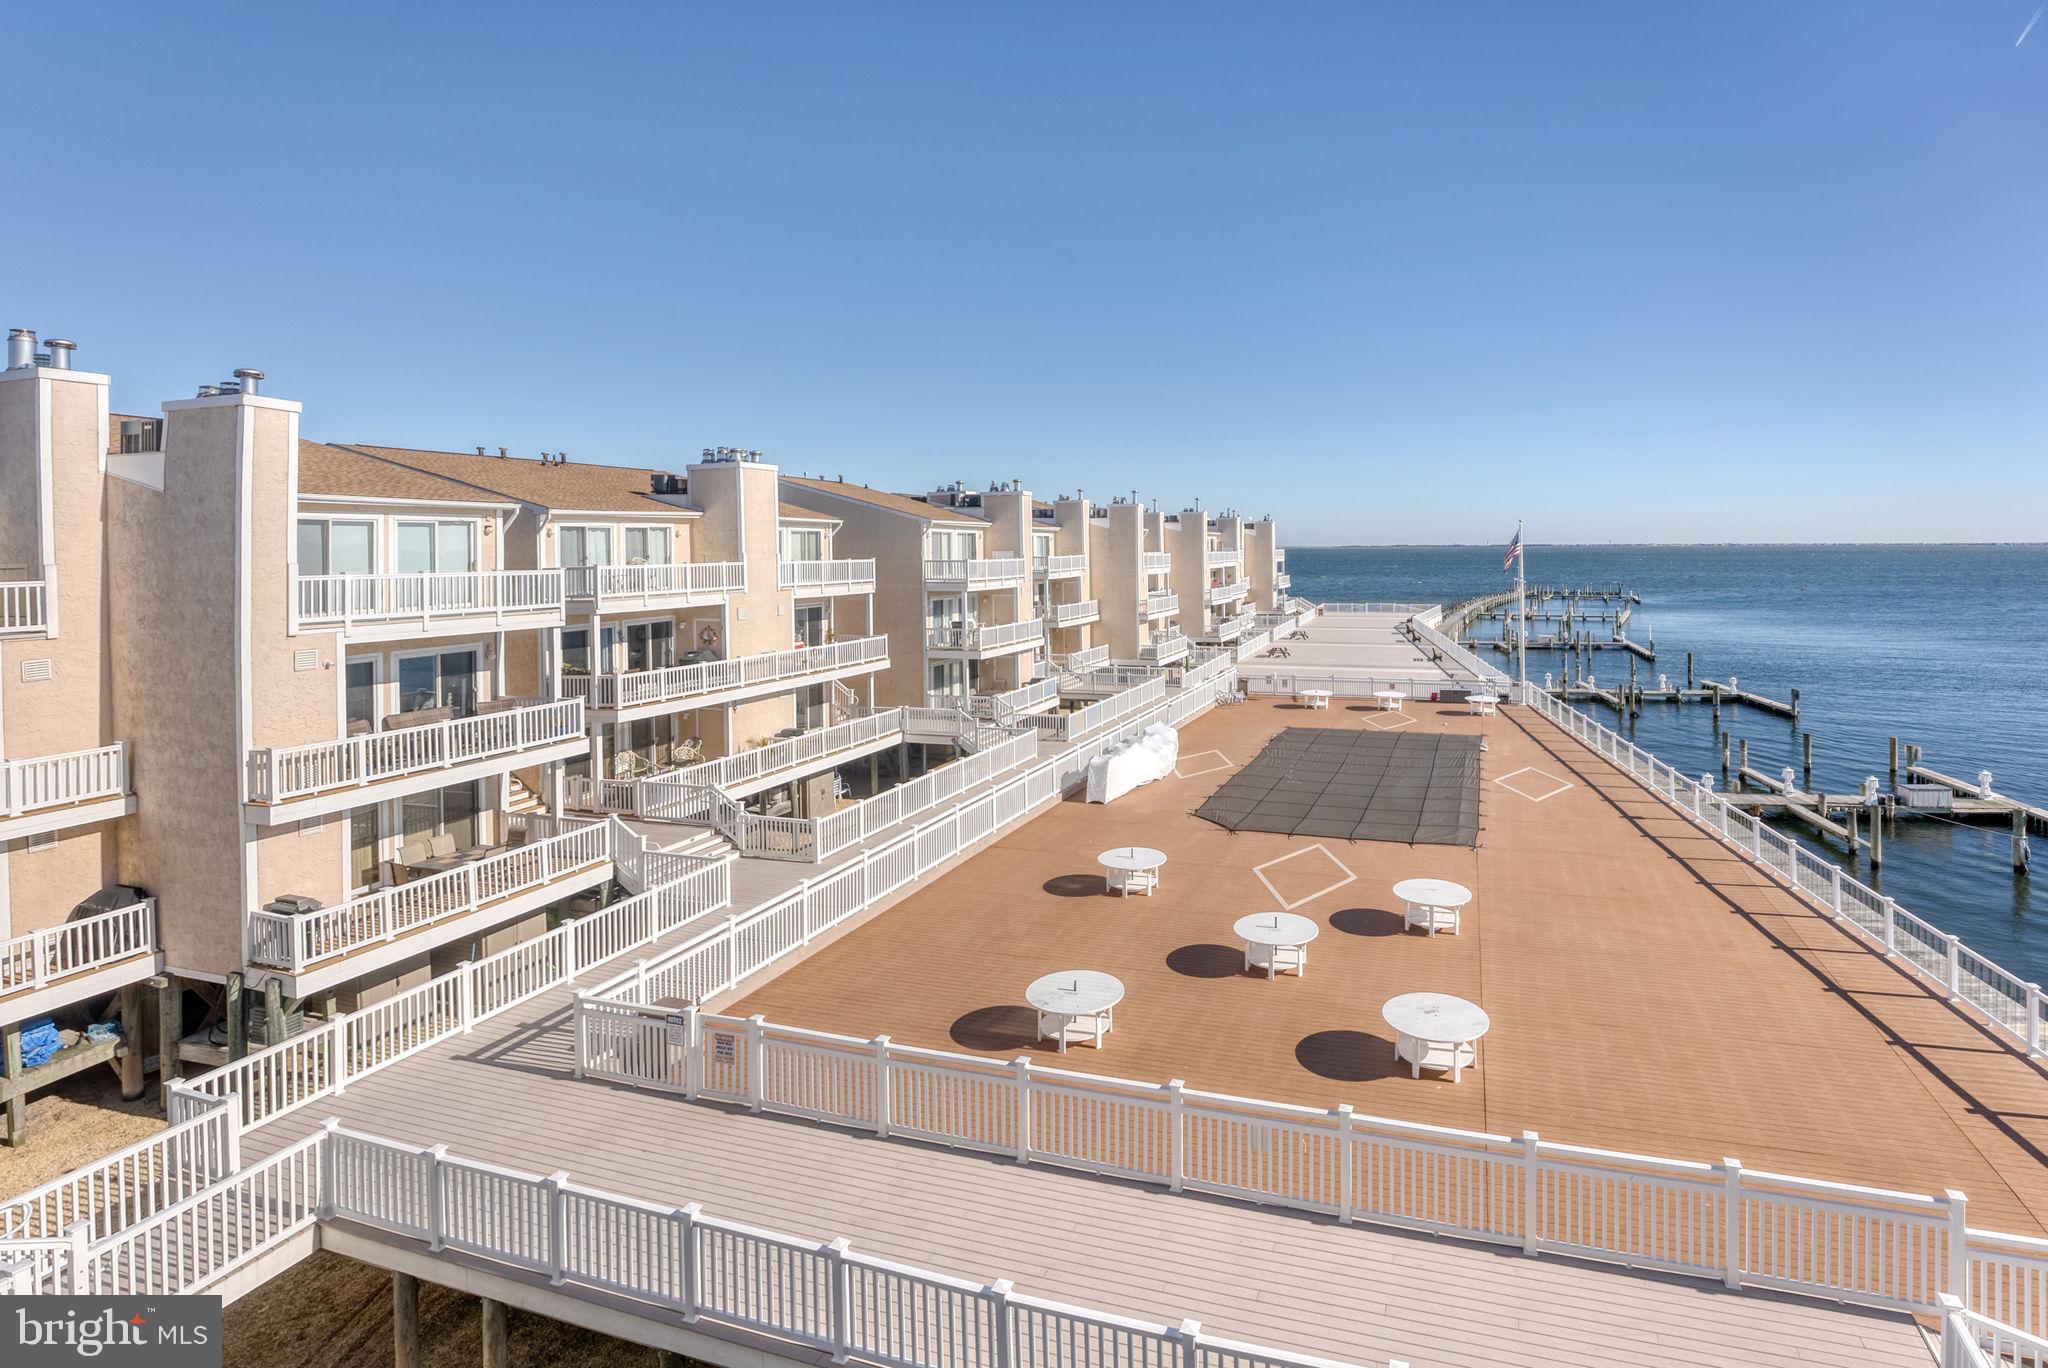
pixel 60 353
pixel 21 348
pixel 251 380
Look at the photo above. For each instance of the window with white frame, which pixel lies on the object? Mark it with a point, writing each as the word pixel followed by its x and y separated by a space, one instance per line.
pixel 337 546
pixel 649 545
pixel 442 547
pixel 946 545
pixel 586 546
pixel 802 543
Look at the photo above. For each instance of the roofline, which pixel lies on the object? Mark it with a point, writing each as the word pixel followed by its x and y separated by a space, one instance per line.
pixel 304 497
pixel 933 516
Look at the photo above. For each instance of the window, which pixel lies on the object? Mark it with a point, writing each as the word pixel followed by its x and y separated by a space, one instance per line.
pixel 650 645
pixel 1041 543
pixel 362 846
pixel 948 677
pixel 648 545
pixel 955 545
pixel 361 681
pixel 329 546
pixel 586 546
pixel 941 613
pixel 803 545
pixel 810 625
pixel 451 811
pixel 447 548
pixel 444 680
pixel 576 651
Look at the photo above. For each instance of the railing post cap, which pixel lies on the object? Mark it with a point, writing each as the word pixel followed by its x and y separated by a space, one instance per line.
pixel 437 1151
pixel 1732 1165
pixel 879 1040
pixel 1175 1084
pixel 757 1020
pixel 1342 1109
pixel 1001 1287
pixel 839 1246
pixel 1188 1327
pixel 331 1124
pixel 1949 1302
pixel 691 1210
pixel 1528 1137
pixel 1953 1198
pixel 558 1178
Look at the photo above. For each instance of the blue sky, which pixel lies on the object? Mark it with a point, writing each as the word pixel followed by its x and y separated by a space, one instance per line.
pixel 1393 273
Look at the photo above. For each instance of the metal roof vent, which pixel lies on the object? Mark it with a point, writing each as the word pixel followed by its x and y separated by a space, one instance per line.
pixel 252 380
pixel 209 391
pixel 21 348
pixel 60 353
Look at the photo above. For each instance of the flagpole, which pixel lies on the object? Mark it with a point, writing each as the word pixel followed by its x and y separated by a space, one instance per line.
pixel 1521 611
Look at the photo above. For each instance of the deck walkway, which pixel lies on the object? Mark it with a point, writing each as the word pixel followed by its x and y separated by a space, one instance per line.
pixel 1764 1034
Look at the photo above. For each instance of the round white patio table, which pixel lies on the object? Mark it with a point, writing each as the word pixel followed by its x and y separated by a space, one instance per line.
pixel 1436 1031
pixel 1315 698
pixel 1276 941
pixel 1132 867
pixel 1482 705
pixel 1432 904
pixel 1075 1004
pixel 1390 700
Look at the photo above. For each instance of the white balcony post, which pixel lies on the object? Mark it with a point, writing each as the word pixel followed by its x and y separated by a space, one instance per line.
pixel 997 1295
pixel 1958 1246
pixel 437 1197
pixel 337 1053
pixel 1955 969
pixel 1187 1340
pixel 686 1230
pixel 842 1299
pixel 1891 928
pixel 78 1270
pixel 881 1048
pixel 328 1137
pixel 2033 1018
pixel 465 997
pixel 1176 1122
pixel 757 1064
pixel 693 1052
pixel 1532 1192
pixel 558 1222
pixel 1345 1164
pixel 1731 1222
pixel 1022 1067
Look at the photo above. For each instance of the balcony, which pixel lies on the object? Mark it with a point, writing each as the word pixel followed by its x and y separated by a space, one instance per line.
pixel 1036 696
pixel 1074 614
pixel 606 588
pixel 1226 630
pixel 1000 638
pixel 793 757
pixel 334 944
pixel 46 969
pixel 1226 593
pixel 1082 660
pixel 1229 555
pixel 1282 581
pixel 289 783
pixel 24 607
pixel 390 607
pixel 969 574
pixel 1161 605
pixel 1134 698
pixel 1158 562
pixel 818 579
pixel 649 693
pixel 1059 567
pixel 51 792
pixel 1165 647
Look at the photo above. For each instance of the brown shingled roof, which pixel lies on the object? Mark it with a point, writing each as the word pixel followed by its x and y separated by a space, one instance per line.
pixel 895 503
pixel 337 471
pixel 575 486
pixel 789 510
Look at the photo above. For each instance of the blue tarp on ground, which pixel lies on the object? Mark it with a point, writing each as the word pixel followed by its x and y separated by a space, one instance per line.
pixel 39 1042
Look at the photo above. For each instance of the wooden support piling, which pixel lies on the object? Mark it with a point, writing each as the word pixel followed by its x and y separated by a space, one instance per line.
pixel 497 1346
pixel 1876 837
pixel 132 1053
pixel 273 1012
pixel 170 1029
pixel 1741 757
pixel 1724 757
pixel 236 1019
pixel 15 1131
pixel 1688 669
pixel 1893 764
pixel 405 1321
pixel 2019 840
pixel 1806 749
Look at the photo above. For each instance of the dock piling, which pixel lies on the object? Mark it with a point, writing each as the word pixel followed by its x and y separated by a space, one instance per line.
pixel 1795 705
pixel 1894 762
pixel 1724 759
pixel 1806 748
pixel 1741 756
pixel 1876 837
pixel 2020 852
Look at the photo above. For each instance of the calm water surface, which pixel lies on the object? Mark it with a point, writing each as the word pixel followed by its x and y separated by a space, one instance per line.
pixel 1939 645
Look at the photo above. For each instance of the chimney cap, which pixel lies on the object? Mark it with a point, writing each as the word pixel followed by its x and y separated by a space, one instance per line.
pixel 248 373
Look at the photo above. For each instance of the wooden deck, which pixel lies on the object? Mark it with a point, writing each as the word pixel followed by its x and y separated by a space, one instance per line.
pixel 1649 991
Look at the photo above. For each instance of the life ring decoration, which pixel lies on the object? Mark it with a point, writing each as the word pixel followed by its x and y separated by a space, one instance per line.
pixel 707 636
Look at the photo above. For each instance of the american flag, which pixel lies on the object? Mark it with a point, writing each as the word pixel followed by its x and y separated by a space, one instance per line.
pixel 1514 553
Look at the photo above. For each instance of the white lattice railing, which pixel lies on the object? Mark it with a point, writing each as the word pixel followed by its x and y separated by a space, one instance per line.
pixel 281 773
pixel 24 606
pixel 678 683
pixel 36 958
pixel 48 781
pixel 299 942
pixel 971 572
pixel 827 576
pixel 346 600
pixel 643 583
pixel 985 636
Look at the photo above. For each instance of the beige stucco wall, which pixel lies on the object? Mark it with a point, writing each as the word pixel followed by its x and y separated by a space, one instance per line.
pixel 895 542
pixel 1116 574
pixel 20 537
pixel 1261 544
pixel 44 885
pixel 740 503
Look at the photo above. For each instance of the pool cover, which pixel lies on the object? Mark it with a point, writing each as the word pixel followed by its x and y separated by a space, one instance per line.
pixel 1356 785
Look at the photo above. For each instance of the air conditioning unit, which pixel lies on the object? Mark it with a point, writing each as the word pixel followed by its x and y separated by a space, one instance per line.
pixel 293 905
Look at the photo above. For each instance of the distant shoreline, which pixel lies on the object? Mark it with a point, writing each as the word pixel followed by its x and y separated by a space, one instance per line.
pixel 1658 546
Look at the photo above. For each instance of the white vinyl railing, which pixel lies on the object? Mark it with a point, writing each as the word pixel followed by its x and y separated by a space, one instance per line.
pixel 1056 567
pixel 1745 1228
pixel 1970 1340
pixel 1447 649
pixel 681 1262
pixel 976 571
pixel 36 958
pixel 281 773
pixel 681 682
pixel 345 600
pixel 47 781
pixel 1078 661
pixel 813 749
pixel 1165 647
pixel 202 1143
pixel 1280 680
pixel 828 576
pixel 1402 609
pixel 298 942
pixel 1002 706
pixel 1161 603
pixel 1282 581
pixel 1072 614
pixel 1228 555
pixel 985 636
pixel 24 606
pixel 1224 631
pixel 1067 726
pixel 1224 593
pixel 324 1059
pixel 1970 980
pixel 642 583
pixel 1202 670
pixel 1157 562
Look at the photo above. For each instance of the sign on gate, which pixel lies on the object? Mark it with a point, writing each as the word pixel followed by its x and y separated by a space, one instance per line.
pixel 678 1028
pixel 725 1047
